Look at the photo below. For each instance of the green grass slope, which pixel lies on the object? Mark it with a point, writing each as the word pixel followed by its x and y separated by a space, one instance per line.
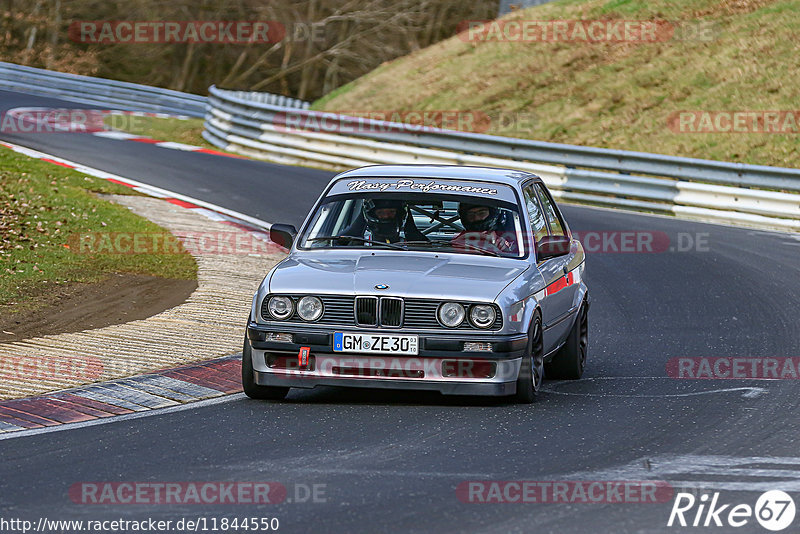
pixel 44 211
pixel 744 55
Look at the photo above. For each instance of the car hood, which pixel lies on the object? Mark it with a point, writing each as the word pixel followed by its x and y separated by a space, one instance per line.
pixel 408 274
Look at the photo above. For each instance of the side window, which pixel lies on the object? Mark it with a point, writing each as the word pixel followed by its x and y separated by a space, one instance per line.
pixel 535 213
pixel 556 226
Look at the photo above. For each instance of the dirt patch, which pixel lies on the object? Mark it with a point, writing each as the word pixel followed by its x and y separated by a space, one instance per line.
pixel 76 307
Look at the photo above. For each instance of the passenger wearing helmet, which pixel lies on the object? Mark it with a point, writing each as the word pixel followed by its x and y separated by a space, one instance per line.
pixel 385 220
pixel 485 227
pixel 478 218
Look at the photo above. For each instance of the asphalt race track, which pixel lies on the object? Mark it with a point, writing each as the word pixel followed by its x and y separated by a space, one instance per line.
pixel 388 461
pixel 256 188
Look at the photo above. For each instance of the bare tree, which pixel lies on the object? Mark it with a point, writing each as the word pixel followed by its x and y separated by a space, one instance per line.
pixel 328 43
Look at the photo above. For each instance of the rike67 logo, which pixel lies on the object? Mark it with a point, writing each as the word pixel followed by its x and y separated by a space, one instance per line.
pixel 774 510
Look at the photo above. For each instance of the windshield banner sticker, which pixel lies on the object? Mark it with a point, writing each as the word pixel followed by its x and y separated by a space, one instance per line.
pixel 411 185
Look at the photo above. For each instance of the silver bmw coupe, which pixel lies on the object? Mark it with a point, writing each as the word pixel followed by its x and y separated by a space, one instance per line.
pixel 462 280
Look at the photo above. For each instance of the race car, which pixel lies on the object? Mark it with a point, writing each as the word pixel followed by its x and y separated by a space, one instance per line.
pixel 461 280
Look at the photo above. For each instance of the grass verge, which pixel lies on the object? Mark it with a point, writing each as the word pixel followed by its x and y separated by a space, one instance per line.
pixel 187 131
pixel 43 207
pixel 727 55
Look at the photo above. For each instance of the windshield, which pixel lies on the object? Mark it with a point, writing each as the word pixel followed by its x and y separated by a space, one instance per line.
pixel 407 221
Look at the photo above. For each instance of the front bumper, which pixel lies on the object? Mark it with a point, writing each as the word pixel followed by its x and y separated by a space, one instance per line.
pixel 441 365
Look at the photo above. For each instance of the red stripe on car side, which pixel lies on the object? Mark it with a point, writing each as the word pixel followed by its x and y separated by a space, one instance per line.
pixel 561 283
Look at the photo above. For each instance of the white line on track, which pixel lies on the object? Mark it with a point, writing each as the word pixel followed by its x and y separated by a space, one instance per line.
pixel 388 473
pixel 116 135
pixel 147 189
pixel 706 472
pixel 750 392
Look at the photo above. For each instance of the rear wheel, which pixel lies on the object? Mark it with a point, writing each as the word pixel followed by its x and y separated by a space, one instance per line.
pixel 532 369
pixel 251 389
pixel 570 360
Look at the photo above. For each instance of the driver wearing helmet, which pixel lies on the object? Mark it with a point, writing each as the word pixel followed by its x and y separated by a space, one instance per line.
pixel 478 218
pixel 485 227
pixel 385 220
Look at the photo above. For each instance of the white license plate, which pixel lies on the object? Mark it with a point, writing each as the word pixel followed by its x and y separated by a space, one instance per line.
pixel 375 343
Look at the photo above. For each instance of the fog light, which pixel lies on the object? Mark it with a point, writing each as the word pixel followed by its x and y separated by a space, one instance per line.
pixel 469 368
pixel 275 336
pixel 475 346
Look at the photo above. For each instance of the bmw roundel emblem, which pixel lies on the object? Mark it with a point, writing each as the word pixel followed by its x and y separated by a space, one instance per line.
pixel 381 286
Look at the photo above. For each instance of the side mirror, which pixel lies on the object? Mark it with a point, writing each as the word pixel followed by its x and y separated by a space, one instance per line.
pixel 283 235
pixel 552 247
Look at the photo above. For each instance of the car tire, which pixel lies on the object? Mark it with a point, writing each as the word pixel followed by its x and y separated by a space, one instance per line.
pixel 531 371
pixel 251 389
pixel 570 360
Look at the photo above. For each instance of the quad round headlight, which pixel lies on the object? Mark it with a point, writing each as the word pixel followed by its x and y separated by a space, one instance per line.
pixel 309 308
pixel 482 316
pixel 451 314
pixel 280 307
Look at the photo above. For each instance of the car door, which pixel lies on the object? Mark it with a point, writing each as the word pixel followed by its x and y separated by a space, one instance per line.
pixel 561 274
pixel 551 269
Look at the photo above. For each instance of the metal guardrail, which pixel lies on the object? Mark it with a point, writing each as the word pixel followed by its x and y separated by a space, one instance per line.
pixel 753 195
pixel 110 94
pixel 264 126
pixel 271 99
pixel 120 95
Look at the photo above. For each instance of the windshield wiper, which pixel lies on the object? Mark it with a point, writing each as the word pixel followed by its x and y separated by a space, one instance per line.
pixel 433 242
pixel 339 238
pixel 426 242
pixel 479 249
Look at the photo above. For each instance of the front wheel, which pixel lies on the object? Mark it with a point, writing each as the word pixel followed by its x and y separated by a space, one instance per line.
pixel 251 389
pixel 570 360
pixel 532 369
